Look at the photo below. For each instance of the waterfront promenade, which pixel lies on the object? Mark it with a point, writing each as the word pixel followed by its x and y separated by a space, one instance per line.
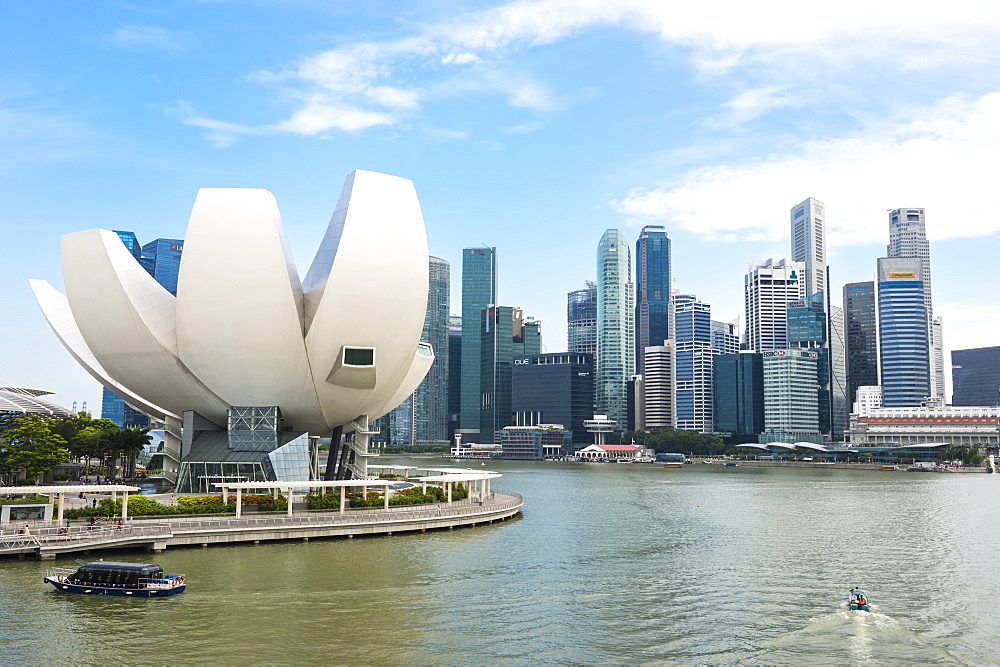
pixel 161 532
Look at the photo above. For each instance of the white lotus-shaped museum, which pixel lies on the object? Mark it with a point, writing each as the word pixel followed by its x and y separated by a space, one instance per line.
pixel 243 329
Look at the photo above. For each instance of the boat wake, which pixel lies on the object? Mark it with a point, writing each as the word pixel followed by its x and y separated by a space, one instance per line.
pixel 855 637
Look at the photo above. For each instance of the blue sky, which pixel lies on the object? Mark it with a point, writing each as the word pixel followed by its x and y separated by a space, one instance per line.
pixel 530 126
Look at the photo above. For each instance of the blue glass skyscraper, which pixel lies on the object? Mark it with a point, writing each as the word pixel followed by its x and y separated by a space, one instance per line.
pixel 615 326
pixel 653 316
pixel 166 257
pixel 693 366
pixel 581 319
pixel 903 332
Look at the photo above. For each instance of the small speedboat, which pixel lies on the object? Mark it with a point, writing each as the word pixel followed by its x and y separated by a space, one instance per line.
pixel 858 600
pixel 110 578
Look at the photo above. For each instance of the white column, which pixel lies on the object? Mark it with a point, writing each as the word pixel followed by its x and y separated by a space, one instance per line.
pixel 386 497
pixel 225 494
pixel 448 484
pixel 239 503
pixel 343 498
pixel 288 495
pixel 124 506
pixel 62 503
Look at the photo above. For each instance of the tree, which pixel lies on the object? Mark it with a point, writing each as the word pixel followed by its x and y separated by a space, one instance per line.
pixel 32 447
pixel 132 442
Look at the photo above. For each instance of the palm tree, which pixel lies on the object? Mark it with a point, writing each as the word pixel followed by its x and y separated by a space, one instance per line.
pixel 131 444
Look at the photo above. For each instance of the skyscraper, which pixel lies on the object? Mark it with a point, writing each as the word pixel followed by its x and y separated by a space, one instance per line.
pixel 479 290
pixel 809 243
pixel 807 330
pixel 653 317
pixel 506 334
pixel 581 319
pixel 903 332
pixel 658 385
pixel 975 376
pixel 769 287
pixel 694 355
pixel 791 396
pixel 454 373
pixel 725 340
pixel 908 238
pixel 431 396
pixel 615 326
pixel 165 255
pixel 861 337
pixel 841 412
pixel 738 396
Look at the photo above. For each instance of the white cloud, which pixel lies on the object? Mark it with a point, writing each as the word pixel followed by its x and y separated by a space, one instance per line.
pixel 150 36
pixel 940 158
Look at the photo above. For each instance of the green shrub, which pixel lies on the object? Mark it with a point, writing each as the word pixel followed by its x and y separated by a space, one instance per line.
pixel 329 501
pixel 62 477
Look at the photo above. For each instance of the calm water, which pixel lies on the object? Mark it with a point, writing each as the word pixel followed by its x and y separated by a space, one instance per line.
pixel 609 563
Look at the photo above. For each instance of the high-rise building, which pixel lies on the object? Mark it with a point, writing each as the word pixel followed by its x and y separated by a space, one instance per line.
pixel 454 373
pixel 165 255
pixel 807 330
pixel 975 376
pixel 479 291
pixel 725 339
pixel 656 387
pixel 615 332
pixel 581 319
pixel 809 243
pixel 693 366
pixel 908 238
pixel 555 388
pixel 861 334
pixel 431 397
pixel 903 332
pixel 841 411
pixel 506 334
pixel 738 396
pixel 769 287
pixel 653 317
pixel 791 396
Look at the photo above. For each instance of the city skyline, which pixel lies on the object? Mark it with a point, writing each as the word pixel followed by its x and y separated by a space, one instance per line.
pixel 515 120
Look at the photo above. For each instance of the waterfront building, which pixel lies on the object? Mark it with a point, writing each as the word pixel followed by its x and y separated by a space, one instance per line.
pixel 869 398
pixel 809 243
pixel 790 396
pixel 554 388
pixel 322 356
pixel 968 426
pixel 581 319
pixel 693 354
pixel 654 319
pixel 807 330
pixel 534 442
pixel 903 332
pixel 431 397
pixel 861 333
pixel 975 376
pixel 608 452
pixel 738 396
pixel 656 387
pixel 769 287
pixel 908 238
pixel 615 325
pixel 506 334
pixel 725 339
pixel 479 291
pixel 18 401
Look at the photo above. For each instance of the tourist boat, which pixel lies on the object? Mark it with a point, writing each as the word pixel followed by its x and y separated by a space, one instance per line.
pixel 110 578
pixel 858 600
pixel 732 464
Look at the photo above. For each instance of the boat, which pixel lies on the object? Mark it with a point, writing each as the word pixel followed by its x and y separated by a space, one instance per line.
pixel 673 465
pixel 110 578
pixel 858 600
pixel 732 464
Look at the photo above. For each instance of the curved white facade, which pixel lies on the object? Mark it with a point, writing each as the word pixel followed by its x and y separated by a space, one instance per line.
pixel 243 330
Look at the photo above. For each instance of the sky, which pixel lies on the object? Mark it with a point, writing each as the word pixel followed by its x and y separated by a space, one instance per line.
pixel 531 126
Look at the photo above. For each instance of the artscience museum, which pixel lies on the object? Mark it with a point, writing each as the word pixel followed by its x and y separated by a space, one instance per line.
pixel 249 364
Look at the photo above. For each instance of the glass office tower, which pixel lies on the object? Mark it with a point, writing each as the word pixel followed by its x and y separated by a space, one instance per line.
pixel 555 388
pixel 581 319
pixel 479 290
pixel 975 377
pixel 654 320
pixel 738 396
pixel 166 257
pixel 615 326
pixel 693 353
pixel 431 397
pixel 861 336
pixel 903 332
pixel 506 334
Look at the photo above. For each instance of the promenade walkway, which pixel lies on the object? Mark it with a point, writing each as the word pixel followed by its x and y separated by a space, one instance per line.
pixel 158 533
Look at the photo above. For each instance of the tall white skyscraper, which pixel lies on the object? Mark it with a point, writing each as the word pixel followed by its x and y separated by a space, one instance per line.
pixel 615 326
pixel 908 238
pixel 809 243
pixel 657 387
pixel 769 287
